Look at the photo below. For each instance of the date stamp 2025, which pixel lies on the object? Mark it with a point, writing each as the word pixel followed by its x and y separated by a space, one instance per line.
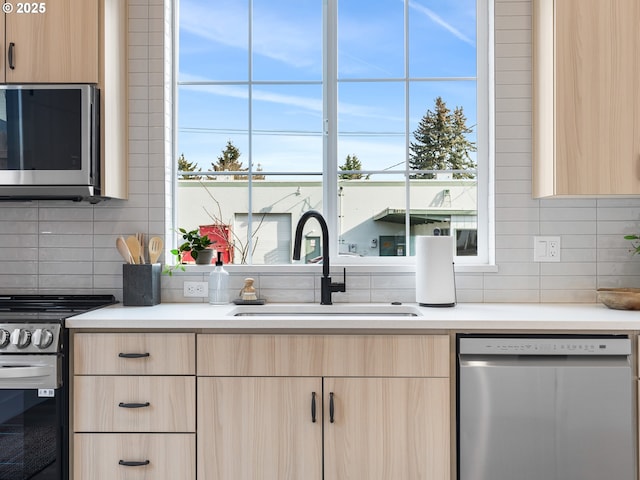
pixel 25 7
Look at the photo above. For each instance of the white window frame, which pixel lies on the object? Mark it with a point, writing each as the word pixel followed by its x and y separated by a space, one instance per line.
pixel 485 259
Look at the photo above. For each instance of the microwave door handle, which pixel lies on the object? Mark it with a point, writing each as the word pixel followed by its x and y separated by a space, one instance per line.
pixel 12 47
pixel 23 372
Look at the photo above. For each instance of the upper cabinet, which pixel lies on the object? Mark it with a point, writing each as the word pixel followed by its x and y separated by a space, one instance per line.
pixel 51 42
pixel 76 41
pixel 586 97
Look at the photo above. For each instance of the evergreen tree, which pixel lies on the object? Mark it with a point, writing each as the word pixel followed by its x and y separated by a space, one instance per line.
pixel 186 166
pixel 441 143
pixel 228 161
pixel 352 162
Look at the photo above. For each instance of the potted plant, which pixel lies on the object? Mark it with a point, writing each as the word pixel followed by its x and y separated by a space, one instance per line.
pixel 194 243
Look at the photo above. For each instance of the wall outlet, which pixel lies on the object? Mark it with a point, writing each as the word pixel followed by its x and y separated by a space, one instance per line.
pixel 196 289
pixel 546 249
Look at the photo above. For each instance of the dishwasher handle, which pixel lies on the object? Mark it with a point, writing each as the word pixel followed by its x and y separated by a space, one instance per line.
pixel 551 361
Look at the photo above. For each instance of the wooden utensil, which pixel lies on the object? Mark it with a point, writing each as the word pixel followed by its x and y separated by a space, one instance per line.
pixel 134 248
pixel 155 249
pixel 121 245
pixel 140 238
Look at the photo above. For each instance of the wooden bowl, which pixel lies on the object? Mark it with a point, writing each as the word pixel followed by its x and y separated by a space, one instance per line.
pixel 620 298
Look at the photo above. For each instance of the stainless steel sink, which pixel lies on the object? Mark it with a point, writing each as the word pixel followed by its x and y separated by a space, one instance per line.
pixel 337 310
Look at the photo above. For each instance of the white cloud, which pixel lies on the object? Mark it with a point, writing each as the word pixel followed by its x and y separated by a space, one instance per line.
pixel 273 35
pixel 311 104
pixel 437 19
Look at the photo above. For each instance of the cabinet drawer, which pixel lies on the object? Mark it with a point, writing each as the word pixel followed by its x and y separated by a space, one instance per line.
pixel 323 355
pixel 134 354
pixel 98 456
pixel 119 404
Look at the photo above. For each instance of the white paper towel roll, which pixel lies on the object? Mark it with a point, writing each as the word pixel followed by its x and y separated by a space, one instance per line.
pixel 435 282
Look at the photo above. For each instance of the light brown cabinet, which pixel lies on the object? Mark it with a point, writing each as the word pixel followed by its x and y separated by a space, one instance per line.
pixel 50 42
pixel 76 41
pixel 387 428
pixel 133 406
pixel 134 456
pixel 259 428
pixel 381 406
pixel 586 106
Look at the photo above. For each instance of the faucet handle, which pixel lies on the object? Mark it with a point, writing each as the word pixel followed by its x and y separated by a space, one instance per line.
pixel 340 286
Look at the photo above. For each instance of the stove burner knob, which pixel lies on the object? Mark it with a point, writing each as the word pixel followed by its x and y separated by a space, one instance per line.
pixel 20 337
pixel 4 338
pixel 42 338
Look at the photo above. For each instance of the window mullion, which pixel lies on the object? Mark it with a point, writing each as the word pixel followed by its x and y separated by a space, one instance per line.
pixel 330 116
pixel 250 136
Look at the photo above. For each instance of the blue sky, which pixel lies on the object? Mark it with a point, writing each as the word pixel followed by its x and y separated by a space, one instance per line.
pixel 286 39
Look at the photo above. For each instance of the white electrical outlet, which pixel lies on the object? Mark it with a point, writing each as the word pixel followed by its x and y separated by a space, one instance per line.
pixel 546 249
pixel 196 289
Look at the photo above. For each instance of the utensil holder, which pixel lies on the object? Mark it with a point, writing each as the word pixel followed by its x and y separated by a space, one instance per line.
pixel 141 284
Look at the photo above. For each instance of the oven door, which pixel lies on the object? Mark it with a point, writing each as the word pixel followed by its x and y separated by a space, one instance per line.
pixel 32 407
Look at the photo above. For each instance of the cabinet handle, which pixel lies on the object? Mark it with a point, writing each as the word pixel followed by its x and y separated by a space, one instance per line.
pixel 331 408
pixel 134 405
pixel 134 355
pixel 127 463
pixel 313 407
pixel 12 47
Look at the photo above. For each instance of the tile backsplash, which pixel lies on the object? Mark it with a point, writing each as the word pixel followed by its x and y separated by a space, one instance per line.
pixel 63 247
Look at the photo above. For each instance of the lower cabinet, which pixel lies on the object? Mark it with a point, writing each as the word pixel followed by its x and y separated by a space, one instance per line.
pixel 386 428
pixel 374 428
pixel 133 406
pixel 259 428
pixel 260 406
pixel 357 423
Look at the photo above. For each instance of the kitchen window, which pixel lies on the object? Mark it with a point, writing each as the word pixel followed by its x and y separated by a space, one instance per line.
pixel 375 113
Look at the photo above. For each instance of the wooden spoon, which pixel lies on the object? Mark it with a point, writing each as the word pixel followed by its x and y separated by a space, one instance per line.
pixel 121 245
pixel 140 238
pixel 155 249
pixel 134 248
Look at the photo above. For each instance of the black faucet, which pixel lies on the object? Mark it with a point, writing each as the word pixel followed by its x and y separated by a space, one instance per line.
pixel 326 286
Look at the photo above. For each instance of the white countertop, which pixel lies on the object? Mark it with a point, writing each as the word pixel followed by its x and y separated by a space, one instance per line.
pixel 308 317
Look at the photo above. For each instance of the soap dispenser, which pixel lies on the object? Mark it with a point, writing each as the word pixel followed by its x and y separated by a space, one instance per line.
pixel 219 284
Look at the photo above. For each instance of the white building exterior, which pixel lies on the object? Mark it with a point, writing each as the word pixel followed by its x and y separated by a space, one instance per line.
pixel 372 214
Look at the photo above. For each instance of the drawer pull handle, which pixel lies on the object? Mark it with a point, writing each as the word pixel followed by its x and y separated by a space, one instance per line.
pixel 133 405
pixel 313 407
pixel 133 464
pixel 134 355
pixel 332 418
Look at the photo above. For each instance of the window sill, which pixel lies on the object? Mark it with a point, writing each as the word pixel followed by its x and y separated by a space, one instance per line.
pixel 352 268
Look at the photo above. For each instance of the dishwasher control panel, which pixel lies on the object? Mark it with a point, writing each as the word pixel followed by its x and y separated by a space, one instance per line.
pixel 545 346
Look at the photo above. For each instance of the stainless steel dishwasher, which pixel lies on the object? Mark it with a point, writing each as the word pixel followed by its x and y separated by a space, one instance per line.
pixel 545 408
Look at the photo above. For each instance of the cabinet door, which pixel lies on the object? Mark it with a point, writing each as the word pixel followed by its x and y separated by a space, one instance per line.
pixel 386 428
pixel 596 80
pixel 259 428
pixel 57 45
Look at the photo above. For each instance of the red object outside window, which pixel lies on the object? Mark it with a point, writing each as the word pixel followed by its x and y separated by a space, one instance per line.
pixel 220 236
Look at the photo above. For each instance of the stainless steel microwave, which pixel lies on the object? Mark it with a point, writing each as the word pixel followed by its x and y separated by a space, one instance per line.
pixel 49 142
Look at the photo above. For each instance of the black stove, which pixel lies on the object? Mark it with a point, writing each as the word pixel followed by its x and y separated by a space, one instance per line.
pixel 34 395
pixel 61 305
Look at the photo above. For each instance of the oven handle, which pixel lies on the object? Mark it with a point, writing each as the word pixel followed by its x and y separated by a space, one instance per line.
pixel 24 372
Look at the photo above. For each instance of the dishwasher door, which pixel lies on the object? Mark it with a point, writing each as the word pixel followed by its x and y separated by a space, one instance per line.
pixel 559 414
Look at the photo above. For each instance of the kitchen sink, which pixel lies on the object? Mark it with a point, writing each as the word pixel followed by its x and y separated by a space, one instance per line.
pixel 337 310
